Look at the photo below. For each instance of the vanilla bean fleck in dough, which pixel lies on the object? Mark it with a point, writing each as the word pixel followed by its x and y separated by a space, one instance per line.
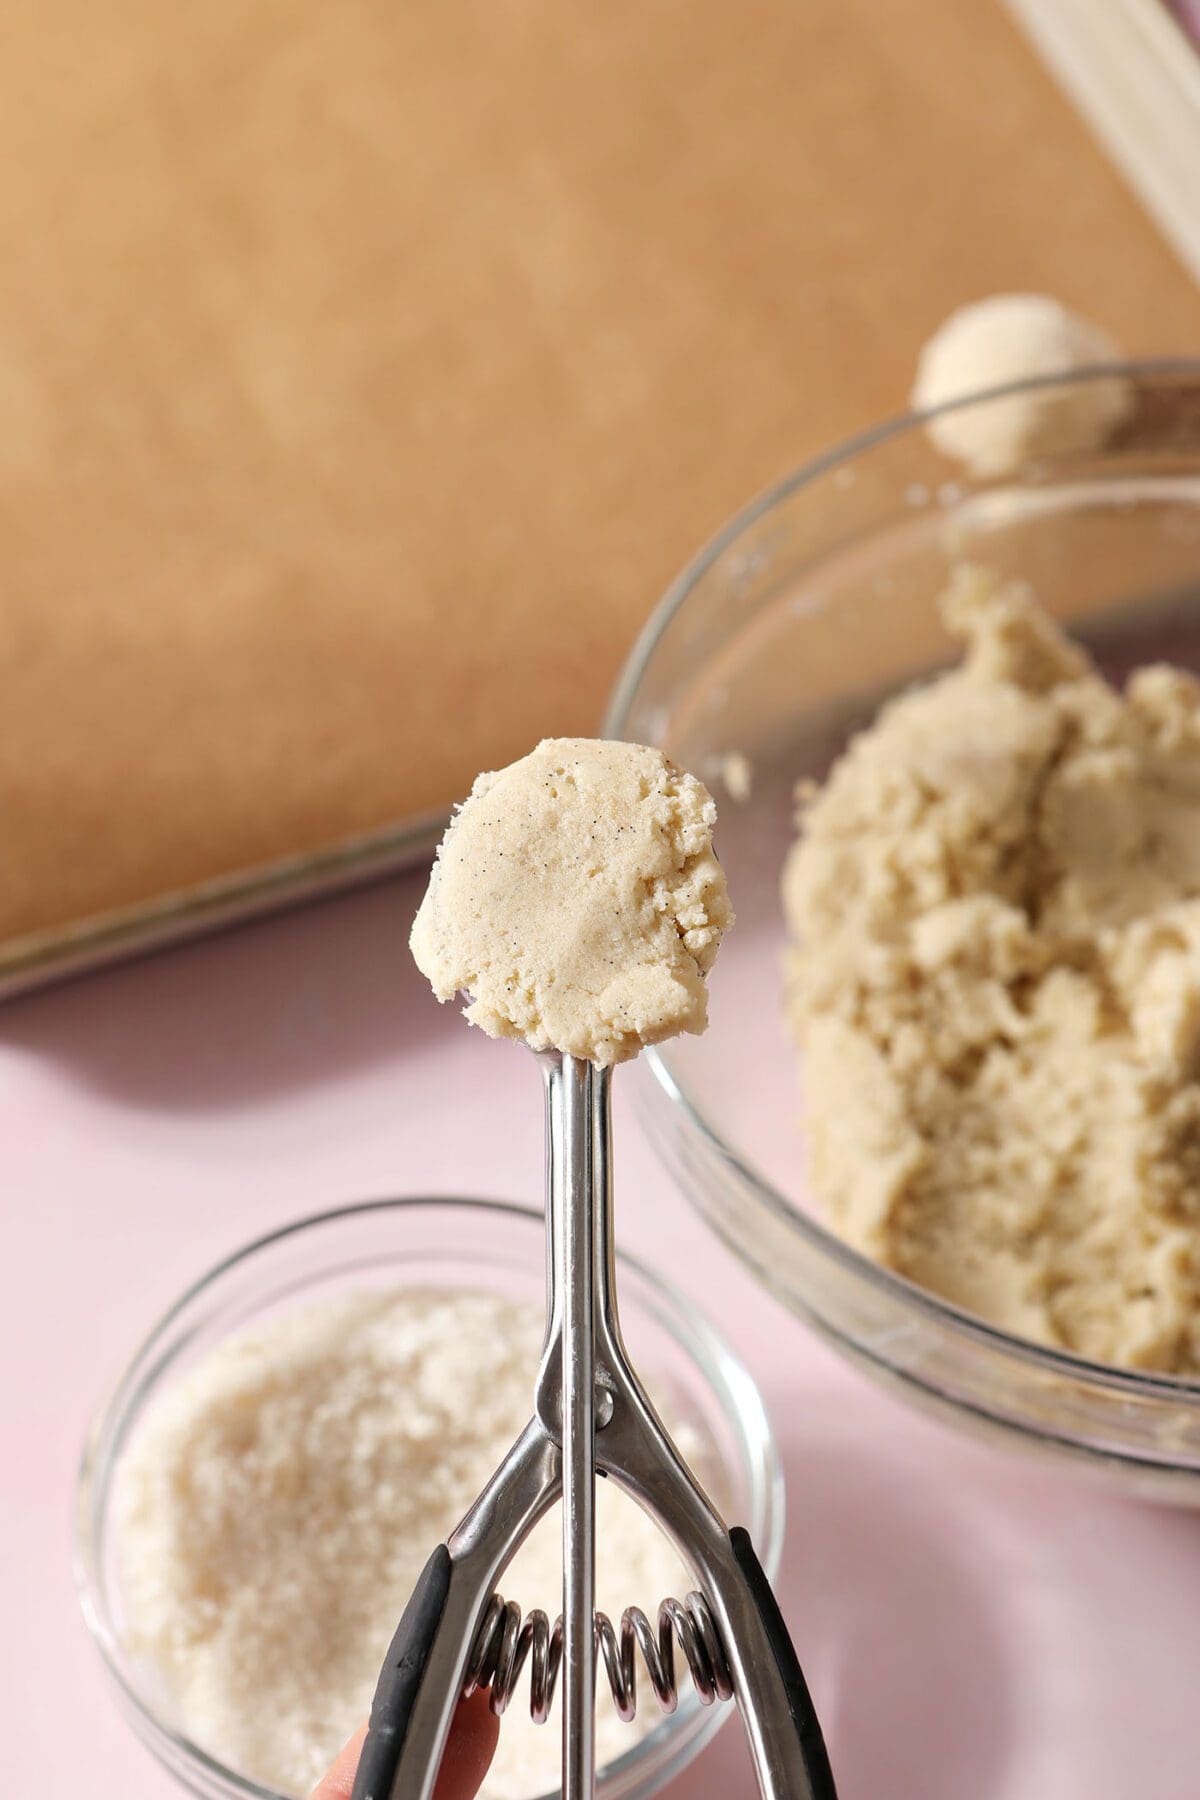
pixel 577 899
pixel 994 906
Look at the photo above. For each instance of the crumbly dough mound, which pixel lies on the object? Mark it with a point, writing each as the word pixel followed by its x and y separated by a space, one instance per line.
pixel 995 978
pixel 1013 337
pixel 576 898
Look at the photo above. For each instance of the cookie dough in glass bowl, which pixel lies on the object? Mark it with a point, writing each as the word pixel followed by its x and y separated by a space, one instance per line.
pixel 778 644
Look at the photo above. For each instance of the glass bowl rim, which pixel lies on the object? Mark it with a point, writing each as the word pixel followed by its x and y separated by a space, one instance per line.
pixel 817 1237
pixel 688 1323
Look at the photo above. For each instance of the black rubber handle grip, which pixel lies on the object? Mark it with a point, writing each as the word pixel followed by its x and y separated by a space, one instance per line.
pixel 400 1680
pixel 813 1753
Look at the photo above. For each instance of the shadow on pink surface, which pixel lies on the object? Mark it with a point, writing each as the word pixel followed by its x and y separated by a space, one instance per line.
pixel 895 1631
pixel 246 1015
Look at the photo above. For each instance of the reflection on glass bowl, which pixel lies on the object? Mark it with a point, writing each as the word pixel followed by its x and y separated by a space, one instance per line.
pixel 772 648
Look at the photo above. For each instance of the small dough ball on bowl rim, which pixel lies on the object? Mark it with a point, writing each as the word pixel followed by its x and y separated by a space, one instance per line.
pixel 1017 337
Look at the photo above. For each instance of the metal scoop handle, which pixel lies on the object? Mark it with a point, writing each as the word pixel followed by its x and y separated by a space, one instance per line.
pixel 592 1413
pixel 635 1450
pixel 425 1669
pixel 400 1680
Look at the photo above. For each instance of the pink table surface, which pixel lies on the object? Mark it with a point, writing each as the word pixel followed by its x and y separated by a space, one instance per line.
pixel 973 1628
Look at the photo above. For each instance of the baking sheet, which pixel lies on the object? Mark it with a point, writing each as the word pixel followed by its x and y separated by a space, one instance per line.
pixel 31 962
pixel 390 362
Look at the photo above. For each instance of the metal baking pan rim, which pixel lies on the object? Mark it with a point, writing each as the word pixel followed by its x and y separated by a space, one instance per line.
pixel 37 960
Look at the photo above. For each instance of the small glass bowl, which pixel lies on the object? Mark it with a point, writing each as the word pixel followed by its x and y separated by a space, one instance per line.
pixel 772 648
pixel 481 1244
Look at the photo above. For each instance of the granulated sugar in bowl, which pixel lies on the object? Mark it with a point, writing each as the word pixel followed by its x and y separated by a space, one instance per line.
pixel 298 1434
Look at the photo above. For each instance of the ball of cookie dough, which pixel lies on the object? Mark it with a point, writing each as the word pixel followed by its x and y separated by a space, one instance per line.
pixel 578 901
pixel 1014 337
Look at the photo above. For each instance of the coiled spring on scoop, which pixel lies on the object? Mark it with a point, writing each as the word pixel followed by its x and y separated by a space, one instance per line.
pixel 505 1642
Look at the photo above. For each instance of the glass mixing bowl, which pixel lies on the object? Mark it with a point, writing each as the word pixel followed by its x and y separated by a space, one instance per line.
pixel 444 1243
pixel 777 643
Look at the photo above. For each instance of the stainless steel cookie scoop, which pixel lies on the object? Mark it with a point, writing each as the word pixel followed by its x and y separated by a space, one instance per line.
pixel 591 1414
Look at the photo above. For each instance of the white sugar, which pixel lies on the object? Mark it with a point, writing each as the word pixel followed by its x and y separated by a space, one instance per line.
pixel 280 1501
